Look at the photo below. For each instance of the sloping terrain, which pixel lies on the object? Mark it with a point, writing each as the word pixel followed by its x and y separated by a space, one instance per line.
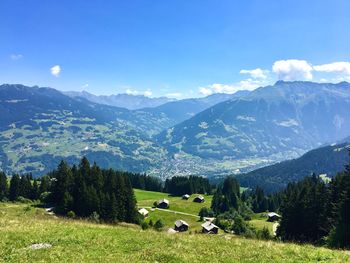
pixel 83 241
pixel 128 101
pixel 328 160
pixel 288 118
pixel 39 126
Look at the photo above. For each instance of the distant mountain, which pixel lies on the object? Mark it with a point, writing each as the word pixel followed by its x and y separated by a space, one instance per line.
pixel 285 119
pixel 327 160
pixel 131 102
pixel 181 110
pixel 40 126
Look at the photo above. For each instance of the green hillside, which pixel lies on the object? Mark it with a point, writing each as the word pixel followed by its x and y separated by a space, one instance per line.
pixel 82 241
pixel 186 210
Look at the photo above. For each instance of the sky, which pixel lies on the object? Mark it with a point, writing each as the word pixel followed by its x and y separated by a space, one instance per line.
pixel 177 49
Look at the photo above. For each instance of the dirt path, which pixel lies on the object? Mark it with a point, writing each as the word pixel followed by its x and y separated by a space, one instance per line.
pixel 172 211
pixel 274 228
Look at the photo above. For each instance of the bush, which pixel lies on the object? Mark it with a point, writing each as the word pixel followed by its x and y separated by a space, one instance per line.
pixel 206 212
pixel 144 225
pixel 159 225
pixel 239 226
pixel 45 197
pixel 155 204
pixel 94 217
pixel 71 214
pixel 263 234
pixel 151 223
pixel 27 208
pixel 23 200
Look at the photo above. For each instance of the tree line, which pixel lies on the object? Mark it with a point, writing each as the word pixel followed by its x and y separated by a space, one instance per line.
pixel 84 190
pixel 313 210
pixel 317 212
pixel 180 185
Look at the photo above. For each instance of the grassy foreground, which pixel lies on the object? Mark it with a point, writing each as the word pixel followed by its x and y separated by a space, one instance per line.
pixel 81 241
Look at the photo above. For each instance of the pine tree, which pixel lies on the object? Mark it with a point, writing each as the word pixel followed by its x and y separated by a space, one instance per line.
pixel 3 186
pixel 14 187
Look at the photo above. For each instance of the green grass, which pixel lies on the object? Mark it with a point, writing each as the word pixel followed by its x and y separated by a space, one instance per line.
pixel 147 198
pixel 82 241
pixel 177 204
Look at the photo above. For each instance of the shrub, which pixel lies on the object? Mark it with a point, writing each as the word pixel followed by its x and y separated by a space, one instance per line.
pixel 151 223
pixel 94 217
pixel 144 225
pixel 155 204
pixel 206 212
pixel 159 225
pixel 263 233
pixel 239 226
pixel 45 197
pixel 71 214
pixel 27 208
pixel 23 200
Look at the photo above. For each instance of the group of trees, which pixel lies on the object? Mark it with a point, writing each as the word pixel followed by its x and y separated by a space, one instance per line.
pixel 226 196
pixel 314 211
pixel 145 182
pixel 83 190
pixel 21 186
pixel 180 185
pixel 260 202
pixel 89 190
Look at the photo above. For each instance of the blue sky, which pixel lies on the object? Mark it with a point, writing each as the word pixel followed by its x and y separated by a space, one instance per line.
pixel 175 48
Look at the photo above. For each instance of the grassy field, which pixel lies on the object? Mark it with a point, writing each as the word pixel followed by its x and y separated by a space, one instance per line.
pixel 147 198
pixel 169 216
pixel 82 241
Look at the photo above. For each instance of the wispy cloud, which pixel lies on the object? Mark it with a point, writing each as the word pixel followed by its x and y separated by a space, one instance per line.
pixel 16 56
pixel 175 95
pixel 257 73
pixel 55 70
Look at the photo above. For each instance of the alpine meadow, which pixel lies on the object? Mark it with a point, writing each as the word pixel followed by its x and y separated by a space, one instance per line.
pixel 185 131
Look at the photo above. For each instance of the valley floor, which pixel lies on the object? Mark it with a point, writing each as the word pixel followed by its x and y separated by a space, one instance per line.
pixel 22 225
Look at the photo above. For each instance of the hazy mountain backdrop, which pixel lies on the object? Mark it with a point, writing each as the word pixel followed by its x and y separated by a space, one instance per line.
pixel 216 135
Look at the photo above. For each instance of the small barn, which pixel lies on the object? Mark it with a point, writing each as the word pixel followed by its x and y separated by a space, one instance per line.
pixel 198 199
pixel 164 203
pixel 181 226
pixel 272 216
pixel 143 212
pixel 185 197
pixel 209 228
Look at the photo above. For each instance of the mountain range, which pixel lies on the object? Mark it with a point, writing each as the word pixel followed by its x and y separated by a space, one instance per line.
pixel 287 118
pixel 326 161
pixel 128 101
pixel 217 135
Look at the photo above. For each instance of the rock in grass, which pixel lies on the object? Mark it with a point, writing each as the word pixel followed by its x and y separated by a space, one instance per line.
pixel 40 246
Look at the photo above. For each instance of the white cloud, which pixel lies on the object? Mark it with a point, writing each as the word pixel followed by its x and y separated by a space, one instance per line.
pixel 247 84
pixel 146 93
pixel 131 92
pixel 86 85
pixel 257 73
pixel 292 69
pixel 335 67
pixel 55 70
pixel 206 91
pixel 175 95
pixel 16 56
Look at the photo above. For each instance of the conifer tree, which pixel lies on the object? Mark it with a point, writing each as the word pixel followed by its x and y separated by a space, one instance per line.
pixel 14 187
pixel 3 186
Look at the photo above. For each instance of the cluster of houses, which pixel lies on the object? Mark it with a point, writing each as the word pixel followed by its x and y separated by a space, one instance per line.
pixel 208 226
pixel 180 225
